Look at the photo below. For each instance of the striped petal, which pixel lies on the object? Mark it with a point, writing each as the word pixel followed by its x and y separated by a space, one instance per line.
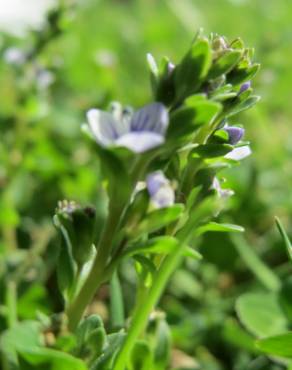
pixel 140 142
pixel 160 190
pixel 151 118
pixel 155 181
pixel 103 126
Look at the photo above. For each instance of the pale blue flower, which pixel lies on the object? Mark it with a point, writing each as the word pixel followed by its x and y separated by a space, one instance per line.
pixel 160 190
pixel 139 132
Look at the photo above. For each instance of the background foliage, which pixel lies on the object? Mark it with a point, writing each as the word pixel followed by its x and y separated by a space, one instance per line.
pixel 94 53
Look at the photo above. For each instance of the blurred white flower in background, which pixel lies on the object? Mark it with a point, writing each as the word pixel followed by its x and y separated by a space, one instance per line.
pixel 17 16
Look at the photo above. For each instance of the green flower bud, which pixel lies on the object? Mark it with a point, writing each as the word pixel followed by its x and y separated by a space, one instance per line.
pixel 79 223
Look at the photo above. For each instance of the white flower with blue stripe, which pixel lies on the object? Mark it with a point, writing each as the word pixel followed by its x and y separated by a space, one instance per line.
pixel 139 132
pixel 160 190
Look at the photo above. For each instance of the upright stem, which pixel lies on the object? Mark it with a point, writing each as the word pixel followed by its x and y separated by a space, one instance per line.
pixel 144 309
pixel 11 303
pixel 96 275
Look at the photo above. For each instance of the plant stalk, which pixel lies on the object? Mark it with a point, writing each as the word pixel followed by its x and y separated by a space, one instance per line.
pixel 11 303
pixel 96 275
pixel 144 309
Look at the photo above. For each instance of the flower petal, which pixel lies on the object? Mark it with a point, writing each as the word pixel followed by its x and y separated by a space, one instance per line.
pixel 122 116
pixel 160 190
pixel 103 126
pixel 140 142
pixel 164 197
pixel 223 193
pixel 155 181
pixel 239 153
pixel 152 117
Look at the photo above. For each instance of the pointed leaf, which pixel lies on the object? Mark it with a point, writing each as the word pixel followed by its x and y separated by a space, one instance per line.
pixel 160 245
pixel 36 357
pixel 225 63
pixel 278 345
pixel 285 237
pixel 158 219
pixel 241 75
pixel 193 68
pixel 214 226
pixel 211 150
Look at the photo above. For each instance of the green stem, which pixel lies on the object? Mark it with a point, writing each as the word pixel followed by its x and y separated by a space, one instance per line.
pixel 117 312
pixel 144 309
pixel 96 275
pixel 191 169
pixel 11 303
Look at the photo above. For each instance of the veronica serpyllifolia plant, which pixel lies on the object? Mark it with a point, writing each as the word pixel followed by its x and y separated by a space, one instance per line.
pixel 161 188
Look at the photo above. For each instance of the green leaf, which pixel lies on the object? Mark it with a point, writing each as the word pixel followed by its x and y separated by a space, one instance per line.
pixel 285 238
pixel 190 252
pixel 160 245
pixel 35 357
pixel 196 112
pixel 22 335
pixel 205 110
pixel 240 75
pixel 224 63
pixel 113 345
pixel 261 314
pixel 141 356
pixel 84 330
pixel 154 73
pixel 224 96
pixel 91 337
pixel 211 150
pixel 66 265
pixel 236 335
pixel 115 168
pixel 96 340
pixel 244 105
pixel 203 211
pixel 145 268
pixel 263 273
pixel 33 299
pixel 214 226
pixel 278 345
pixel 220 136
pixel 194 67
pixel 165 91
pixel 237 43
pixel 285 297
pixel 158 219
pixel 162 349
pixel 146 263
pixel 152 65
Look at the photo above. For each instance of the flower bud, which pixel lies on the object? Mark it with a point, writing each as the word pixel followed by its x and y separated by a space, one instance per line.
pixel 235 134
pixel 160 190
pixel 219 43
pixel 170 68
pixel 79 223
pixel 246 85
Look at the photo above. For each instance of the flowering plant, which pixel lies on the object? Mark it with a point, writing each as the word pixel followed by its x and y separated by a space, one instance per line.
pixel 161 190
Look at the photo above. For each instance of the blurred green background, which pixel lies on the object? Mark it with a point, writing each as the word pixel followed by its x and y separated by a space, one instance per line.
pixel 96 54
